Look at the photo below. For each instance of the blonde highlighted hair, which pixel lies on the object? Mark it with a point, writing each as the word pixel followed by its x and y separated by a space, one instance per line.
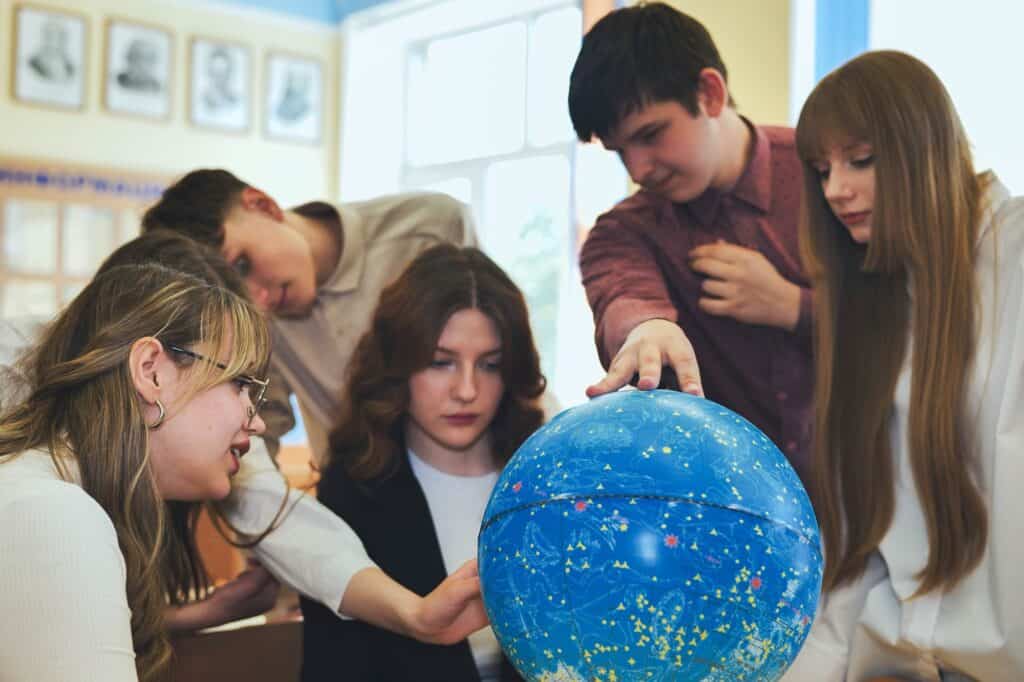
pixel 927 209
pixel 82 404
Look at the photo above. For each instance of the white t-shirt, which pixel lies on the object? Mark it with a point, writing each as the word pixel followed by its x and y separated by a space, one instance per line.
pixel 457 506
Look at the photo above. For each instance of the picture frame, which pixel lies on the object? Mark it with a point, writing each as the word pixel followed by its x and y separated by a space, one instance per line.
pixel 293 98
pixel 138 69
pixel 50 57
pixel 220 77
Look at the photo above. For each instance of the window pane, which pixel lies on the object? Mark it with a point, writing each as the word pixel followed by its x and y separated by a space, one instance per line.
pixel 30 236
pixel 993 129
pixel 554 44
pixel 89 237
pixel 131 219
pixel 24 297
pixel 467 95
pixel 526 208
pixel 297 436
pixel 600 180
pixel 458 188
pixel 69 292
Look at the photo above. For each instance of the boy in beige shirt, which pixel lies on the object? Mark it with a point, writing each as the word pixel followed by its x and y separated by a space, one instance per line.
pixel 318 269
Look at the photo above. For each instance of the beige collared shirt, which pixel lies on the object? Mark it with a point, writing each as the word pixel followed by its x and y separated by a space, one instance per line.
pixel 380 237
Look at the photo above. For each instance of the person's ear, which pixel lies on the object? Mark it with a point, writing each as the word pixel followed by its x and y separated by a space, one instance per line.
pixel 253 199
pixel 147 360
pixel 712 92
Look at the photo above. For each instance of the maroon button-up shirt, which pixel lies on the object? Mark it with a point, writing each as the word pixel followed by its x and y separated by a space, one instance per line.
pixel 635 267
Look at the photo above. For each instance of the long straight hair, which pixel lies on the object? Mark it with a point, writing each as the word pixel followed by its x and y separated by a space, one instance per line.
pixel 82 407
pixel 407 323
pixel 925 221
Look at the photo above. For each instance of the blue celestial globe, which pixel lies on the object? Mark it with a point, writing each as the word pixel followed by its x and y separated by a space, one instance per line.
pixel 654 536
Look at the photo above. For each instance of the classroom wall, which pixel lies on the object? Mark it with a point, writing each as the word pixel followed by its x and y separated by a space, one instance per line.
pixel 968 51
pixel 754 41
pixel 292 171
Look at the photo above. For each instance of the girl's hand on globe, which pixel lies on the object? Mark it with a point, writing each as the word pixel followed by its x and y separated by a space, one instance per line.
pixel 449 614
pixel 454 610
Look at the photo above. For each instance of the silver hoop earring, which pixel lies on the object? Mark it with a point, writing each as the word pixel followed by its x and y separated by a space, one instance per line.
pixel 159 417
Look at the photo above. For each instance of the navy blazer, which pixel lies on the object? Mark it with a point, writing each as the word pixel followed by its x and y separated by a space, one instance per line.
pixel 392 518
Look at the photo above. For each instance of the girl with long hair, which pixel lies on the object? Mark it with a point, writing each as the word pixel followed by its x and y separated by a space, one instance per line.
pixel 301 542
pixel 917 262
pixel 142 397
pixel 443 389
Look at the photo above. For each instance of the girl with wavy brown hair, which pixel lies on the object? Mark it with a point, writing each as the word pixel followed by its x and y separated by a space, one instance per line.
pixel 142 397
pixel 443 389
pixel 918 264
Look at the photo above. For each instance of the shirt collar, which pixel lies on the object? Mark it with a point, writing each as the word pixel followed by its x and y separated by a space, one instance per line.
pixel 996 194
pixel 754 186
pixel 349 271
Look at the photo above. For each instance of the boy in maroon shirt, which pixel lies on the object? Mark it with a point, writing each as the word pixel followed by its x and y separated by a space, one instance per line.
pixel 702 263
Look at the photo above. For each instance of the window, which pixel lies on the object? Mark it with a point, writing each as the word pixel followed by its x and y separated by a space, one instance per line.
pixel 57 224
pixel 831 31
pixel 967 48
pixel 478 110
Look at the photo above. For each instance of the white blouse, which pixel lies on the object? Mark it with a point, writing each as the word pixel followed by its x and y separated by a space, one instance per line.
pixel 63 609
pixel 312 550
pixel 873 627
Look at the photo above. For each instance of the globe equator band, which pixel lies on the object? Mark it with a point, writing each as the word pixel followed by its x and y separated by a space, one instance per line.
pixel 570 497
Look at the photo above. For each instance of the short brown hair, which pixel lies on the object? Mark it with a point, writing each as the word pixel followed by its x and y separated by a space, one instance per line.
pixel 634 57
pixel 197 205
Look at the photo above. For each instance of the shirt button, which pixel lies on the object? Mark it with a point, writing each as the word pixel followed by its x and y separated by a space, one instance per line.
pixel 781 395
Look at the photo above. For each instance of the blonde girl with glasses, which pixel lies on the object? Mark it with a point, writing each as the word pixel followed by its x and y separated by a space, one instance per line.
pixel 300 541
pixel 104 463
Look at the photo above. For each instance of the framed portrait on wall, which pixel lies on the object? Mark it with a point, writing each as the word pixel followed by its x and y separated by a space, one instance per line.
pixel 49 57
pixel 220 74
pixel 137 78
pixel 293 104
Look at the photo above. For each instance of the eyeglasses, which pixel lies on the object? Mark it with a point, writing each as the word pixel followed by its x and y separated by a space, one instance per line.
pixel 256 401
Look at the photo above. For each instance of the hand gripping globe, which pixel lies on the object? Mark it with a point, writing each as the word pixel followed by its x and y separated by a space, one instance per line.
pixel 654 536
